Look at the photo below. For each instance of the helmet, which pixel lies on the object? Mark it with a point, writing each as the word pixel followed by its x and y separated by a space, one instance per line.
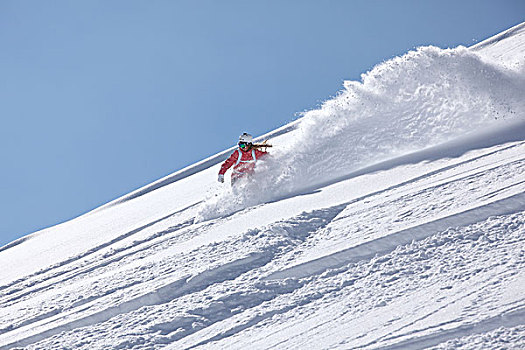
pixel 246 138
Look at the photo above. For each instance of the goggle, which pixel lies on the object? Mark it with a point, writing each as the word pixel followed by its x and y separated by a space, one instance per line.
pixel 243 144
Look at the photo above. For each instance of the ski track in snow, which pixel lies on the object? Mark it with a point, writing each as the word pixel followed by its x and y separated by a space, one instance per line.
pixel 399 248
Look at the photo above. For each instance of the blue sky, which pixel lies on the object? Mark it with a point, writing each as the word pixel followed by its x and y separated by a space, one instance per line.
pixel 98 98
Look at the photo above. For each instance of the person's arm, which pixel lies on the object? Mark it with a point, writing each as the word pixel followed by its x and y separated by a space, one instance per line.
pixel 232 159
pixel 260 154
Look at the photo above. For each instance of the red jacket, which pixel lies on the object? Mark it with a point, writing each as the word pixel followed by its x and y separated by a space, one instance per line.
pixel 243 166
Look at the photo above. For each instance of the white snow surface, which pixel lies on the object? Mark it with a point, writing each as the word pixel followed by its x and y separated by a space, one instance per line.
pixel 392 217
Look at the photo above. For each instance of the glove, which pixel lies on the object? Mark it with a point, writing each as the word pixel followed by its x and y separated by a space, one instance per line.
pixel 221 178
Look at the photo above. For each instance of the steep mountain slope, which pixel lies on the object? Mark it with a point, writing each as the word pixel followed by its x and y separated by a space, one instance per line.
pixel 392 217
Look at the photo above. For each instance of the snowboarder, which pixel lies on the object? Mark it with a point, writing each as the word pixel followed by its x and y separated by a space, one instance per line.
pixel 243 159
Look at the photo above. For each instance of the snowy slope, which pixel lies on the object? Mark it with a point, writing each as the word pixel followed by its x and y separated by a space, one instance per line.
pixel 393 217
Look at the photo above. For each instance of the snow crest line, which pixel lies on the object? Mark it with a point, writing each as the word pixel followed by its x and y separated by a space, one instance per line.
pixel 499 37
pixel 386 244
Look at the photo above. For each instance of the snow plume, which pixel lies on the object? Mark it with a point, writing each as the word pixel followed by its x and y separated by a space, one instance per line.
pixel 423 98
